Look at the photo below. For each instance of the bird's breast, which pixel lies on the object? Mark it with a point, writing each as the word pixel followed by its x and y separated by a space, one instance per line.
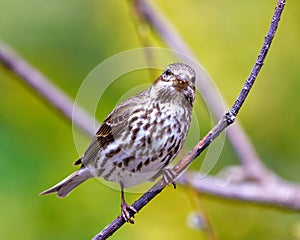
pixel 152 138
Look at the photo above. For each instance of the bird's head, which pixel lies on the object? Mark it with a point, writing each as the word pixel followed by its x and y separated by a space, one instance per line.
pixel 178 79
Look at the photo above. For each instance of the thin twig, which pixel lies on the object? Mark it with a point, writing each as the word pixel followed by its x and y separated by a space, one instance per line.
pixel 225 121
pixel 238 138
pixel 200 219
pixel 45 89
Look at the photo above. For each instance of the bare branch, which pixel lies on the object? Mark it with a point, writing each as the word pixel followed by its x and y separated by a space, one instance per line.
pixel 236 134
pixel 225 121
pixel 260 59
pixel 276 192
pixel 45 89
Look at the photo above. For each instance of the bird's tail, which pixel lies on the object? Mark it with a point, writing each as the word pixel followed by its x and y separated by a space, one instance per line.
pixel 64 187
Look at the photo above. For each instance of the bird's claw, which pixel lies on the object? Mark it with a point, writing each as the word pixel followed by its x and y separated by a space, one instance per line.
pixel 125 213
pixel 169 176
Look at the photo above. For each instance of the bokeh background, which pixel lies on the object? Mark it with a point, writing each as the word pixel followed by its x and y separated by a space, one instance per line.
pixel 66 40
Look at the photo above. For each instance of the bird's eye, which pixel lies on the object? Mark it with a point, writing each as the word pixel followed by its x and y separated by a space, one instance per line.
pixel 167 75
pixel 168 72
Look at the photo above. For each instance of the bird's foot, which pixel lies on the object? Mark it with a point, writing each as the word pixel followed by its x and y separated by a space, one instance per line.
pixel 169 176
pixel 125 211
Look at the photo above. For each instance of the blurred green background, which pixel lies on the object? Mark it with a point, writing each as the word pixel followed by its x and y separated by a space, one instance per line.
pixel 66 40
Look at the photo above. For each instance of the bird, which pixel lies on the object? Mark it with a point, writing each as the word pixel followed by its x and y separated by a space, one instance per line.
pixel 140 137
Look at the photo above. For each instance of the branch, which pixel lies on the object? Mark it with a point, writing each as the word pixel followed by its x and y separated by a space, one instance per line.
pixel 225 121
pixel 276 192
pixel 45 89
pixel 239 140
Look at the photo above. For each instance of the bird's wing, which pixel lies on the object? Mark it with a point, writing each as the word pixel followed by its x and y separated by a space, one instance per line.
pixel 113 126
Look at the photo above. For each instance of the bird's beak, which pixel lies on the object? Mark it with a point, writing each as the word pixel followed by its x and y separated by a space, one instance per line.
pixel 182 80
